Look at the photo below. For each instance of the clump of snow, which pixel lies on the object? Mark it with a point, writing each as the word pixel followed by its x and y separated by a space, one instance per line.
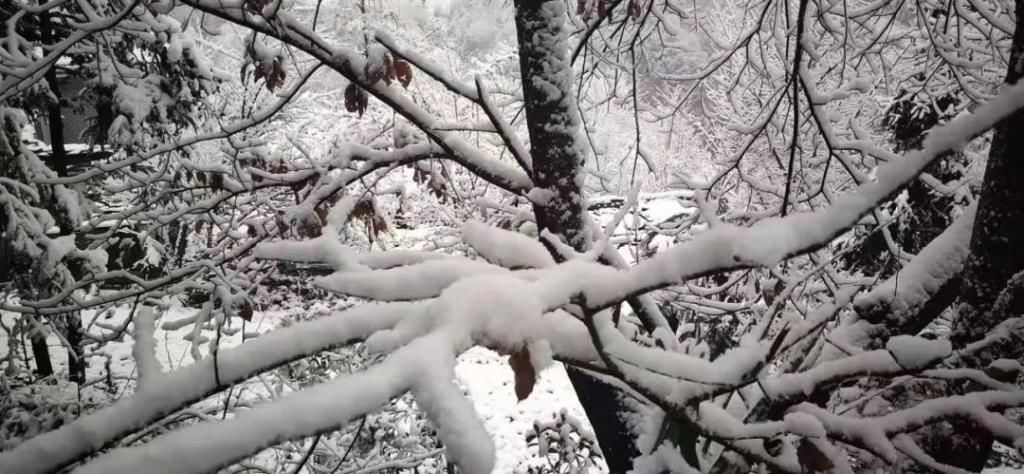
pixel 540 196
pixel 376 62
pixel 506 248
pixel 1007 365
pixel 804 424
pixel 418 281
pixel 497 311
pixel 903 294
pixel 912 352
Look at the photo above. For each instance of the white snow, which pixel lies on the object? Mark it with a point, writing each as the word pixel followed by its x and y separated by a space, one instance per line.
pixel 913 352
pixel 506 248
pixel 913 285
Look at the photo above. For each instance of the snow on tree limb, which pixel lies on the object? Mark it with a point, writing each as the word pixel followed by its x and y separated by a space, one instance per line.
pixel 175 390
pixel 207 446
pixel 351 65
pixel 460 429
pixel 902 295
pixel 505 248
pixel 493 310
pixel 714 250
pixel 411 282
pixel 144 349
pixel 770 240
pixel 874 432
pixel 571 307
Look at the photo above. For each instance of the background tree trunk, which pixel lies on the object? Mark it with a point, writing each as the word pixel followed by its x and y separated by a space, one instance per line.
pixel 553 123
pixel 70 323
pixel 41 354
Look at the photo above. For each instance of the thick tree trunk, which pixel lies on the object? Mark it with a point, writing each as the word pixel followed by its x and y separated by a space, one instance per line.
pixel 551 116
pixel 553 123
pixel 996 242
pixel 999 225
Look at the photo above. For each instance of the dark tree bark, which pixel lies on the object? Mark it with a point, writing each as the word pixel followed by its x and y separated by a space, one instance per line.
pixel 70 323
pixel 999 225
pixel 998 236
pixel 41 354
pixel 551 117
pixel 40 351
pixel 553 123
pixel 55 121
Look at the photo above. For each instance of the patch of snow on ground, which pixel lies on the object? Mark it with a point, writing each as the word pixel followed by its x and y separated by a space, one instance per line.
pixel 484 374
pixel 488 380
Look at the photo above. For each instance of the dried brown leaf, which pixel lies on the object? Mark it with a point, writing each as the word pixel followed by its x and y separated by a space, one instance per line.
pixel 403 71
pixel 525 375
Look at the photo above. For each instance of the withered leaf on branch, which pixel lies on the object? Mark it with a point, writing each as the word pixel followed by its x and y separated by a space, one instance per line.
pixel 246 311
pixel 275 75
pixel 254 6
pixel 1003 370
pixel 525 375
pixel 402 71
pixel 321 212
pixel 356 99
pixel 216 181
pixel 634 9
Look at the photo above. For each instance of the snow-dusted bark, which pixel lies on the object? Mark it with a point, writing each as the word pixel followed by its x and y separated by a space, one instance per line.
pixel 995 258
pixel 551 117
pixel 553 122
pixel 167 393
pixel 999 226
pixel 901 303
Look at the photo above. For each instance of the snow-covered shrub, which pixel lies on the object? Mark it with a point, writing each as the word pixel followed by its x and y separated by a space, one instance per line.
pixel 563 446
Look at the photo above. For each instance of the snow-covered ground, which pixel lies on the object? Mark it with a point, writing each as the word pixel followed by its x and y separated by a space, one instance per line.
pixel 487 378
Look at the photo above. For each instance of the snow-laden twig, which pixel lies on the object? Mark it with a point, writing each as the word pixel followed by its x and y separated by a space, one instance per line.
pixel 174 390
pixel 144 349
pixel 512 142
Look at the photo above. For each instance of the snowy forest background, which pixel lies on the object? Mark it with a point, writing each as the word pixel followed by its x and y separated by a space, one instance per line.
pixel 537 236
